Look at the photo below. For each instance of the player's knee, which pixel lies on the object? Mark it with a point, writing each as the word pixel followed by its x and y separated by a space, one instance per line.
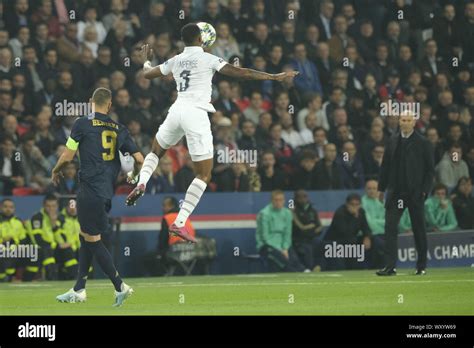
pixel 204 177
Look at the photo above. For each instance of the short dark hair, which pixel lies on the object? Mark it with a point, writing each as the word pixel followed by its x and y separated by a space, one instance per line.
pixel 353 197
pixel 173 201
pixel 189 33
pixel 7 200
pixel 440 186
pixel 317 129
pixel 50 197
pixel 101 96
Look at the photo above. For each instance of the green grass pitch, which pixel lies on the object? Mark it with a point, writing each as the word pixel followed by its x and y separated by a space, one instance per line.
pixel 441 292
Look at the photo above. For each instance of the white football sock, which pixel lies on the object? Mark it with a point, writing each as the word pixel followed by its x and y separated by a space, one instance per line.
pixel 191 199
pixel 149 166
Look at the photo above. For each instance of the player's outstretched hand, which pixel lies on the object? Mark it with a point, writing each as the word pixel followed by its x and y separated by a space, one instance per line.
pixel 56 178
pixel 146 53
pixel 284 75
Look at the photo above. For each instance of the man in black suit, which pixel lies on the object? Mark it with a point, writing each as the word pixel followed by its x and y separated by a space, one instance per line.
pixel 407 174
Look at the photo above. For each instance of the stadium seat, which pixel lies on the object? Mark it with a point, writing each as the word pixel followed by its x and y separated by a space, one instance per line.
pixel 24 191
pixel 123 190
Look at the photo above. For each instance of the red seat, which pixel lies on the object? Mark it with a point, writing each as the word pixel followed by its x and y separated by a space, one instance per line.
pixel 24 191
pixel 123 190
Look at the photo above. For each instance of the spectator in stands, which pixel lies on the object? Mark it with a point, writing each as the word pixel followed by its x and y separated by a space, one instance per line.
pixel 351 169
pixel 185 175
pixel 68 46
pixel 11 173
pixel 470 161
pixel 35 165
pixel 142 140
pixel 273 235
pixel 463 203
pixel 307 133
pixel 10 128
pixel 276 61
pixel 304 177
pixel 433 137
pixel 381 66
pixel 288 133
pixel 234 180
pixel 90 19
pixel 336 100
pixel 325 65
pixel 339 40
pixel 248 140
pixel 282 150
pixel 260 43
pixel 375 215
pixel 439 212
pixel 306 228
pixel 327 175
pixel 162 180
pixel 348 222
pixel 44 138
pixel 324 21
pixel 69 184
pixel 308 78
pixel 451 167
pixel 65 91
pixel 225 102
pixel 432 63
pixel 17 43
pixel 320 139
pixel 225 46
pixel 391 89
pixel 372 168
pixel 254 110
pixel 272 177
pixel 263 128
pixel 313 107
pixel 445 32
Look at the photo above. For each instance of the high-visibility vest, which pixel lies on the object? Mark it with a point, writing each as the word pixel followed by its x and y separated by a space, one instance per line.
pixel 172 239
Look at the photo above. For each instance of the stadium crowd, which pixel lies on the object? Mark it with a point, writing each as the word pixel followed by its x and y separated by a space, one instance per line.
pixel 322 130
pixel 352 56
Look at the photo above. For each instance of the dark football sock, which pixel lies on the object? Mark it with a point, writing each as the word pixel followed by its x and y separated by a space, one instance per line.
pixel 85 261
pixel 104 259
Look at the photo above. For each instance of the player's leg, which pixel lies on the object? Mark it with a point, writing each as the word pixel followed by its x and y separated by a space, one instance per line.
pixel 195 190
pixel 169 133
pixel 197 128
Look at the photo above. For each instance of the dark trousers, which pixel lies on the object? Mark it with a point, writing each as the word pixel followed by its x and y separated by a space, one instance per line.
pixel 67 263
pixel 393 213
pixel 279 263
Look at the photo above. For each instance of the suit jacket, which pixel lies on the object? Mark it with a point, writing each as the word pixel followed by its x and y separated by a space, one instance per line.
pixel 420 166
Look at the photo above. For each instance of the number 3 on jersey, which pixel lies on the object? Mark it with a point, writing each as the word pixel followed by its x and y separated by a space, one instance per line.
pixel 109 141
pixel 183 85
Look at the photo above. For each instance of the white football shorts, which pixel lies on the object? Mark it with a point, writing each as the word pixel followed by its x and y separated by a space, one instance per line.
pixel 192 122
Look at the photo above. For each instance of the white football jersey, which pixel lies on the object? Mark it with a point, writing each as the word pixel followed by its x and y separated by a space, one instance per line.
pixel 193 70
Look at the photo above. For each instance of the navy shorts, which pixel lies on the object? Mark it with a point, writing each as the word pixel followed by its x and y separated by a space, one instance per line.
pixel 92 212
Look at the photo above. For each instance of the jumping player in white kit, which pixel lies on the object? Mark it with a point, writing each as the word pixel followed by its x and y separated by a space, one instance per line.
pixel 192 70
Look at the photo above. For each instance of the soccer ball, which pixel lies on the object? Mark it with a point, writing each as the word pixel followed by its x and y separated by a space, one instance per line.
pixel 208 34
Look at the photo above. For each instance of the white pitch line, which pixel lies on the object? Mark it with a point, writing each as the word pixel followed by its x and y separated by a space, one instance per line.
pixel 163 285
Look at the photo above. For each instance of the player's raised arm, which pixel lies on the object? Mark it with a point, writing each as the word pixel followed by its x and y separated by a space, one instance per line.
pixel 149 71
pixel 250 74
